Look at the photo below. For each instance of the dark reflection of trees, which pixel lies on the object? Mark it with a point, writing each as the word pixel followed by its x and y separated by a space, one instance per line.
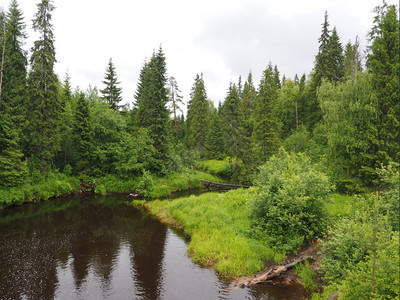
pixel 147 244
pixel 38 239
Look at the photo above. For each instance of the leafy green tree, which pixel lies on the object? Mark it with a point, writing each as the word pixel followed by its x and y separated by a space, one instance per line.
pixel 112 92
pixel 265 136
pixel 152 111
pixel 383 63
pixel 289 208
pixel 44 105
pixel 198 115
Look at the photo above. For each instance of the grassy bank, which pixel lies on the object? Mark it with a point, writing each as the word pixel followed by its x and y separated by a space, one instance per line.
pixel 40 188
pixel 58 184
pixel 221 168
pixel 219 227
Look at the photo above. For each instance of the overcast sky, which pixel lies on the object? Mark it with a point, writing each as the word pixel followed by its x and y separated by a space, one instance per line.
pixel 220 38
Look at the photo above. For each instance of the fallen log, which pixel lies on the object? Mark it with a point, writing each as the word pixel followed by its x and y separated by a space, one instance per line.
pixel 267 275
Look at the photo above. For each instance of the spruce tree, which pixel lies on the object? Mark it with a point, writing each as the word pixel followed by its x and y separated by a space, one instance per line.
pixel 112 92
pixel 152 112
pixel 335 70
pixel 246 108
pixel 266 128
pixel 44 106
pixel 352 60
pixel 82 135
pixel 214 145
pixel 383 63
pixel 198 115
pixel 322 59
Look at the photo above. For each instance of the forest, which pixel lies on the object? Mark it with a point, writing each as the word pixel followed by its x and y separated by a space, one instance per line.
pixel 332 133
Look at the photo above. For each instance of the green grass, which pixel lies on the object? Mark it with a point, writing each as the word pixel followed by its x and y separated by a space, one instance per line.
pixel 339 206
pixel 306 275
pixel 56 184
pixel 220 168
pixel 180 181
pixel 219 225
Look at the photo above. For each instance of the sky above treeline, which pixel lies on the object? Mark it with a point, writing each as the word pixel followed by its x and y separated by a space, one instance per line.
pixel 222 39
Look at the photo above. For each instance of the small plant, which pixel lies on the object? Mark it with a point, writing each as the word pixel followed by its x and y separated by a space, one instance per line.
pixel 306 275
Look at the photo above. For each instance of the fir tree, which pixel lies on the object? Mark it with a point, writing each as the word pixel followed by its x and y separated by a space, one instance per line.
pixel 152 112
pixel 352 60
pixel 82 133
pixel 214 145
pixel 266 128
pixel 112 91
pixel 232 129
pixel 322 59
pixel 383 63
pixel 335 70
pixel 44 105
pixel 246 108
pixel 197 116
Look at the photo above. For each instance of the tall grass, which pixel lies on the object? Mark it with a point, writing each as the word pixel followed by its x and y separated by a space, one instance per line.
pixel 219 226
pixel 54 185
pixel 220 168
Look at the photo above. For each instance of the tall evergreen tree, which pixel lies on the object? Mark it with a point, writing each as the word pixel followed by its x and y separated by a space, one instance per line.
pixel 214 144
pixel 335 70
pixel 352 60
pixel 82 133
pixel 112 92
pixel 232 129
pixel 322 59
pixel 266 128
pixel 198 115
pixel 383 63
pixel 44 105
pixel 246 108
pixel 152 111
pixel 175 99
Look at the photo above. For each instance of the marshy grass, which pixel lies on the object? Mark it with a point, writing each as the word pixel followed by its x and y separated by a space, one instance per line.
pixel 219 227
pixel 221 168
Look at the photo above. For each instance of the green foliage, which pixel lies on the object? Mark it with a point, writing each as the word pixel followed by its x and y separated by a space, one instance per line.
pixel 218 225
pixel 300 141
pixel 214 144
pixel 306 275
pixel 39 188
pixel 146 184
pixel 289 208
pixel 220 168
pixel 360 245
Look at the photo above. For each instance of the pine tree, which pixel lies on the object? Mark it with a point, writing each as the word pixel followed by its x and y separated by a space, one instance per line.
pixel 175 99
pixel 44 105
pixel 266 128
pixel 152 112
pixel 197 116
pixel 246 108
pixel 383 63
pixel 112 91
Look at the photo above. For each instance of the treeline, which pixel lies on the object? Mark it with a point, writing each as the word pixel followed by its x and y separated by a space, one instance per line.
pixel 343 116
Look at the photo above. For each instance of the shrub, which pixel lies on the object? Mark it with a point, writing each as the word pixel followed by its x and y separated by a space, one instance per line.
pixel 290 205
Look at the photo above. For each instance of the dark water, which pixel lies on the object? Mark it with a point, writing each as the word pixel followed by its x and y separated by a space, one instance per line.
pixel 100 248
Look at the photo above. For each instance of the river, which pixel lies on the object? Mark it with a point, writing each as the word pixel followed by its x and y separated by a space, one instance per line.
pixel 101 248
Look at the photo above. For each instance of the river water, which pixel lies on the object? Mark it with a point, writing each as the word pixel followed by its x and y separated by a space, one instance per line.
pixel 101 248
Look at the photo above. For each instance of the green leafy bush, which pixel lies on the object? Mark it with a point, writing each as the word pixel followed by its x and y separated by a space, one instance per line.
pixel 290 205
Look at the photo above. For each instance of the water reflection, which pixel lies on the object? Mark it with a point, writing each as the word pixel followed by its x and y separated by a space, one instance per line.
pixel 100 248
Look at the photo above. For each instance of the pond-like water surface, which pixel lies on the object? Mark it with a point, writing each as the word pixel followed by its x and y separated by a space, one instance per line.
pixel 101 248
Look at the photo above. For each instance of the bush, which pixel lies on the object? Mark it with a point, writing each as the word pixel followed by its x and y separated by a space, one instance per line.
pixel 290 205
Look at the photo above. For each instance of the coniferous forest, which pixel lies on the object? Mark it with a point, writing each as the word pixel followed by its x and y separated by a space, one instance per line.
pixel 333 131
